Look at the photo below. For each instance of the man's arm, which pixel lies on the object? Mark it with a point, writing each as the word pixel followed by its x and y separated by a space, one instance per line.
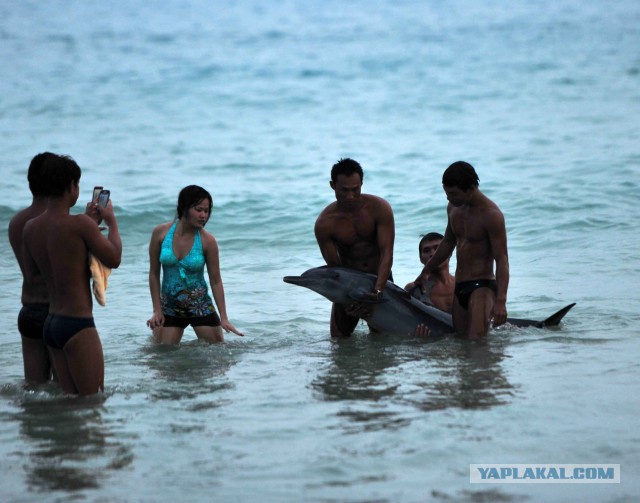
pixel 15 238
pixel 444 251
pixel 386 234
pixel 107 250
pixel 327 246
pixel 498 239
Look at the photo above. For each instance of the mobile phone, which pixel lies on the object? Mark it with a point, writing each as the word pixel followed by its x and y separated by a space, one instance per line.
pixel 103 198
pixel 96 193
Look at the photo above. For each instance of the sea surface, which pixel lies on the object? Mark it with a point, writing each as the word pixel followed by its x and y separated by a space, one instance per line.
pixel 255 101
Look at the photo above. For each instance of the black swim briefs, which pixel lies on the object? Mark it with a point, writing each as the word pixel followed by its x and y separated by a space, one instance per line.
pixel 58 329
pixel 31 320
pixel 464 289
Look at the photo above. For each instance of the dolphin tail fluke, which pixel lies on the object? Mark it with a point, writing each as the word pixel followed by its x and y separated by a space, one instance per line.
pixel 555 318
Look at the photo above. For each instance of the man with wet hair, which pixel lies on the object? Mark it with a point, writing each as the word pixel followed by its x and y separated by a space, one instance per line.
pixel 356 231
pixel 57 247
pixel 35 298
pixel 476 229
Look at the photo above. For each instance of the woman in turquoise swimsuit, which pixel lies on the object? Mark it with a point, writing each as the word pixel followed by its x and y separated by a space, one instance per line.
pixel 182 248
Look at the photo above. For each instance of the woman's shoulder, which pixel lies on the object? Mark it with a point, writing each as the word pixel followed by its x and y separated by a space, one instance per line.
pixel 162 229
pixel 208 240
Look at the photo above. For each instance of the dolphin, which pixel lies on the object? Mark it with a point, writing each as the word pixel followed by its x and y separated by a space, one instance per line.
pixel 397 311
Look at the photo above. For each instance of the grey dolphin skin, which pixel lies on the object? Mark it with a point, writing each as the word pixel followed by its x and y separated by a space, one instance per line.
pixel 397 311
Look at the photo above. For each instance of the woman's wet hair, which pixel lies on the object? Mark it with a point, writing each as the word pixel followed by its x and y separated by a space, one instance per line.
pixel 191 196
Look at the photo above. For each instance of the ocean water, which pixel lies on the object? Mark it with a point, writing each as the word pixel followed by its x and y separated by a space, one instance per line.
pixel 255 101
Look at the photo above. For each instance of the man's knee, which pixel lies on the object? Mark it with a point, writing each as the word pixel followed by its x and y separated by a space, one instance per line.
pixel 342 325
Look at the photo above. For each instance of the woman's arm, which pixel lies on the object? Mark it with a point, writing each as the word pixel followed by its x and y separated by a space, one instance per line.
pixel 157 318
pixel 212 258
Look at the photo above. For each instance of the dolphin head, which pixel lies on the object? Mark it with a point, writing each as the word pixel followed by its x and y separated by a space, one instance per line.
pixel 330 282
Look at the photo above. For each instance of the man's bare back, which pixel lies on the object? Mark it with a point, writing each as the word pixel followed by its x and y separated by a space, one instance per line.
pixel 58 243
pixel 34 290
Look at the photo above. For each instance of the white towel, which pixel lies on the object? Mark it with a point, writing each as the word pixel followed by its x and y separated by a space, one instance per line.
pixel 100 274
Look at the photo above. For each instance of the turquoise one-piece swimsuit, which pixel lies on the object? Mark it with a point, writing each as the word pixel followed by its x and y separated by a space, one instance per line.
pixel 184 292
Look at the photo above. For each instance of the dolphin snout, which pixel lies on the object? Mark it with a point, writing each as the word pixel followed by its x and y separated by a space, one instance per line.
pixel 294 280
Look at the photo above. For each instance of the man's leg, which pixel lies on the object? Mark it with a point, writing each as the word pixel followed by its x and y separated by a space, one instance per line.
pixel 480 305
pixel 85 361
pixel 37 366
pixel 342 325
pixel 459 317
pixel 61 369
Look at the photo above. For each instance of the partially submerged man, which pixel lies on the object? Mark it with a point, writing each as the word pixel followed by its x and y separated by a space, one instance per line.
pixel 476 229
pixel 57 247
pixel 35 298
pixel 434 288
pixel 356 231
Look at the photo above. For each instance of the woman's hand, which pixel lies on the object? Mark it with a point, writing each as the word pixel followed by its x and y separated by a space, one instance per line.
pixel 156 321
pixel 228 327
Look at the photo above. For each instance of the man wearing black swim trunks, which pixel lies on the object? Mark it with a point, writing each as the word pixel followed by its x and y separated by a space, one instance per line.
pixel 476 229
pixel 356 231
pixel 56 247
pixel 35 298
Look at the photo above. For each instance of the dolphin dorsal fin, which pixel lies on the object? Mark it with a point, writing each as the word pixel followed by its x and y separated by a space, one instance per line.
pixel 555 318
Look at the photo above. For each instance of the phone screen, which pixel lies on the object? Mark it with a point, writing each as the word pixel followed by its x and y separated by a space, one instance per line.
pixel 103 199
pixel 96 193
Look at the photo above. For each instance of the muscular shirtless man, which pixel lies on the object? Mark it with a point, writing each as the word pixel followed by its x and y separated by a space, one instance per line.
pixel 356 231
pixel 476 229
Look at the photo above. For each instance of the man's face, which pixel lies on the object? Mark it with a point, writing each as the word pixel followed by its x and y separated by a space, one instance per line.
pixel 347 189
pixel 427 250
pixel 457 196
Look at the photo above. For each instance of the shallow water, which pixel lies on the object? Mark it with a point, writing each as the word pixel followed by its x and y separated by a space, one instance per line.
pixel 255 102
